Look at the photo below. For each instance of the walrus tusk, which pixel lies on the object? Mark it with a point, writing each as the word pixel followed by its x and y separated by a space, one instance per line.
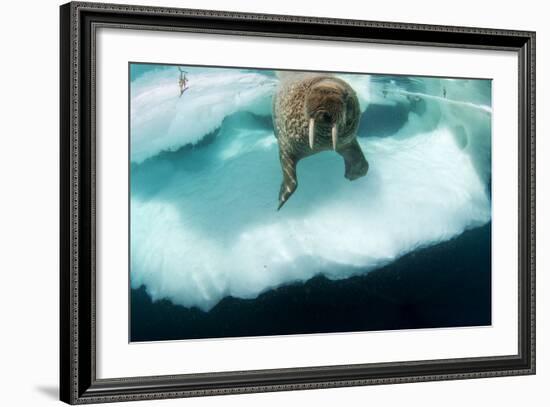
pixel 311 132
pixel 334 136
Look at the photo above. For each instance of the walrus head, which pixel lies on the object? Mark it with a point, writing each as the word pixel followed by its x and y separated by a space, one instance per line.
pixel 325 106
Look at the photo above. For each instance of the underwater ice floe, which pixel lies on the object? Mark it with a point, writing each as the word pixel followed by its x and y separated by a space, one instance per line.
pixel 204 223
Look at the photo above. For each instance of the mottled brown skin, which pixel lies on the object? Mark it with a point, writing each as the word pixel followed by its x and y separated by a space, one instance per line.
pixel 328 100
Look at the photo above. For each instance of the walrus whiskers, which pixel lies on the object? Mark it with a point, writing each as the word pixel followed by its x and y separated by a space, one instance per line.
pixel 311 132
pixel 334 136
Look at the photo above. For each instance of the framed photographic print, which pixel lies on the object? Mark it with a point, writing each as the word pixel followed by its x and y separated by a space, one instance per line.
pixel 256 203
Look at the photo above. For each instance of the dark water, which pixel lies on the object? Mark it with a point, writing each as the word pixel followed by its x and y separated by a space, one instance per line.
pixel 446 285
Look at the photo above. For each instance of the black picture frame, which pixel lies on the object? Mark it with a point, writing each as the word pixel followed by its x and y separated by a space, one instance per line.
pixel 78 382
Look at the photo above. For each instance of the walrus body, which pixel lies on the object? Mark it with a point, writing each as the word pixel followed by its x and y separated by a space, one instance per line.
pixel 313 113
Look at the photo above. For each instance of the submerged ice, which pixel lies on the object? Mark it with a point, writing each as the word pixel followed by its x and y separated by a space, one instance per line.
pixel 205 177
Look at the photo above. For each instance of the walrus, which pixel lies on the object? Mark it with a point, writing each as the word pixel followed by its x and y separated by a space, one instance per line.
pixel 314 112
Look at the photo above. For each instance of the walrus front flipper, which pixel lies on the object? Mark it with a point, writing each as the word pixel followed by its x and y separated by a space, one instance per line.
pixel 290 182
pixel 356 164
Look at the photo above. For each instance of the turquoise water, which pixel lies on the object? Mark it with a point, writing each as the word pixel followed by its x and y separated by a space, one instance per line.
pixel 205 178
